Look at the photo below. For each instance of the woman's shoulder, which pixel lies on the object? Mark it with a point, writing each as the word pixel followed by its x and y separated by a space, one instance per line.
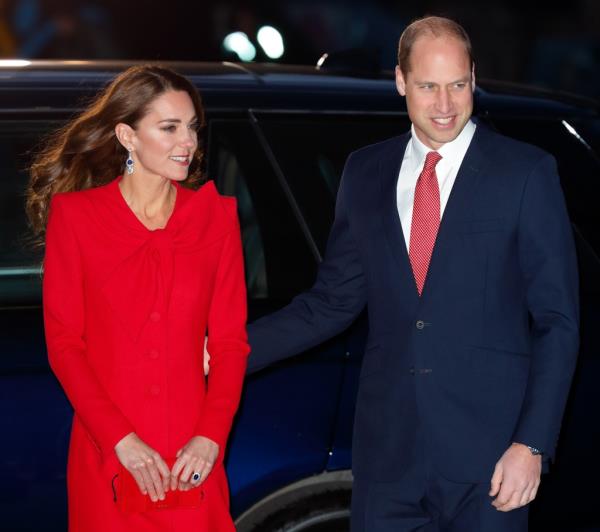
pixel 79 203
pixel 222 208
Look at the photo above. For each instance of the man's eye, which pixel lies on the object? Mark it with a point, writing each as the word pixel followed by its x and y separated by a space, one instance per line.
pixel 460 85
pixel 427 86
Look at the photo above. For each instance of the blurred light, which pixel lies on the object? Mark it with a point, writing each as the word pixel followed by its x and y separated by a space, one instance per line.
pixel 271 41
pixel 239 43
pixel 322 60
pixel 10 63
pixel 573 132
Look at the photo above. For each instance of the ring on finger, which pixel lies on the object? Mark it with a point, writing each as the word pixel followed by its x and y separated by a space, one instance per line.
pixel 195 477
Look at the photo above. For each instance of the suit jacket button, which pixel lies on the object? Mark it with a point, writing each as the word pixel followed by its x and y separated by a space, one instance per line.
pixel 420 324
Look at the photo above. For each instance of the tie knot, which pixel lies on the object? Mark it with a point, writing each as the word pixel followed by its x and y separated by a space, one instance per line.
pixel 432 158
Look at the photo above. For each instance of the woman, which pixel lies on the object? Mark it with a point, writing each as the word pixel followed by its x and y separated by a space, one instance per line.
pixel 136 269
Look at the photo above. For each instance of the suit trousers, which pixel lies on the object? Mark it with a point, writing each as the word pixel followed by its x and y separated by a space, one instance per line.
pixel 424 501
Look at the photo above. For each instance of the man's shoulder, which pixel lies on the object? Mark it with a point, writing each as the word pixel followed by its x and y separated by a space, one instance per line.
pixel 366 162
pixel 374 152
pixel 509 149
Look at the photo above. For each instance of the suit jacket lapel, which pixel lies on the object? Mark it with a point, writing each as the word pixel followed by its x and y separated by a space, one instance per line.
pixel 459 202
pixel 389 170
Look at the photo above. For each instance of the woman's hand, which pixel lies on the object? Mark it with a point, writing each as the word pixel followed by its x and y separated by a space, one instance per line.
pixel 145 465
pixel 206 357
pixel 197 456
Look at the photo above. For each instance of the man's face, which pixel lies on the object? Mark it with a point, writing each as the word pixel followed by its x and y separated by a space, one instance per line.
pixel 438 89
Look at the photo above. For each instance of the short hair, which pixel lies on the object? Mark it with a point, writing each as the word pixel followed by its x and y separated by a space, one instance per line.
pixel 432 26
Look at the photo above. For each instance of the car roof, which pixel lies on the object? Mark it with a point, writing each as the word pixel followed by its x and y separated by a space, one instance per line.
pixel 271 87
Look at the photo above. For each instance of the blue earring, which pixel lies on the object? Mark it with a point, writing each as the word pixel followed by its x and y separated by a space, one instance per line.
pixel 129 163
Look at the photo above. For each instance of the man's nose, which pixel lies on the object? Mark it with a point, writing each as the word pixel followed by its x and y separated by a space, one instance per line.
pixel 444 101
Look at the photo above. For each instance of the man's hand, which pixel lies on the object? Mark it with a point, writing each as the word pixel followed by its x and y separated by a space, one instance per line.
pixel 145 465
pixel 197 456
pixel 516 478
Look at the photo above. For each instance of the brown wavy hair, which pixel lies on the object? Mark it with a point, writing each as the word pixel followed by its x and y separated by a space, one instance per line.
pixel 85 153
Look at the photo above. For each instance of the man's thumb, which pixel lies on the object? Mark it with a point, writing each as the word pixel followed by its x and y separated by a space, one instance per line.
pixel 496 480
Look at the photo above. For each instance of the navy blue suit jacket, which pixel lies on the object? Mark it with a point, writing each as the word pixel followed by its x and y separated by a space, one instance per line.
pixel 485 356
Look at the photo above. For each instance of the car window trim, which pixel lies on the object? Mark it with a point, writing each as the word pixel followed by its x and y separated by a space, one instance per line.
pixel 577 136
pixel 326 112
pixel 262 139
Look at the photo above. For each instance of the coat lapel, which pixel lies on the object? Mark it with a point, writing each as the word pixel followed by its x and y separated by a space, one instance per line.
pixel 389 170
pixel 459 204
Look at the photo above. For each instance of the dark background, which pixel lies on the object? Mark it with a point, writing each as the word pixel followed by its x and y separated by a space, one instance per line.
pixel 529 42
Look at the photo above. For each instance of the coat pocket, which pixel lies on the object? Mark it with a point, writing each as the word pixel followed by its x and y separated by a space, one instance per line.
pixel 500 363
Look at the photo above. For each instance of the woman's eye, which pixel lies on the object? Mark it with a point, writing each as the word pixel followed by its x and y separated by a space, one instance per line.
pixel 169 129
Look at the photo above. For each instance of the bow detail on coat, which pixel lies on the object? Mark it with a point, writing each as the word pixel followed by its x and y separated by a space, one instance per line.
pixel 139 287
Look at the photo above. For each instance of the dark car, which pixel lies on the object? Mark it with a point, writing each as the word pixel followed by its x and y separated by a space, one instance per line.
pixel 277 138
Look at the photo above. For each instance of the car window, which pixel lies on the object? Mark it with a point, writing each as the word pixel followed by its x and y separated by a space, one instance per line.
pixel 278 260
pixel 20 260
pixel 17 141
pixel 312 150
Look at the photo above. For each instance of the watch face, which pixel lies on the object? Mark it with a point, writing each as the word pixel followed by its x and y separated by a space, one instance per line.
pixel 534 451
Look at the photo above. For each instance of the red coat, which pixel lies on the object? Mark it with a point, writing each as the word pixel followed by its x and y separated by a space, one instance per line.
pixel 126 310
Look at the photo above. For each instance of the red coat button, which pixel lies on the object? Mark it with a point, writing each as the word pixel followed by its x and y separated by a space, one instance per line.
pixel 154 389
pixel 153 354
pixel 155 316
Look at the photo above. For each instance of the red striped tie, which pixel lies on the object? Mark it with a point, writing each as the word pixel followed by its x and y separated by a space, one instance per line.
pixel 425 220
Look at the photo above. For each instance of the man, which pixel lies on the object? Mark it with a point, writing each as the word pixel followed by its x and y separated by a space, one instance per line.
pixel 458 240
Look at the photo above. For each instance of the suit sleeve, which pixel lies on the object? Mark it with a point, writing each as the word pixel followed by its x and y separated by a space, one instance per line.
pixel 331 305
pixel 227 339
pixel 64 320
pixel 549 270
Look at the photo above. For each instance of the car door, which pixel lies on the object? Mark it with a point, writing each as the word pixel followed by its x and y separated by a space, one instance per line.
pixel 34 413
pixel 305 405
pixel 311 150
pixel 283 426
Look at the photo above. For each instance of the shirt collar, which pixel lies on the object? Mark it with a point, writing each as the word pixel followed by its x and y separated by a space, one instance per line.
pixel 450 151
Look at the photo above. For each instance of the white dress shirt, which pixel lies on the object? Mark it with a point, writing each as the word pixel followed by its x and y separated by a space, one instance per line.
pixel 446 170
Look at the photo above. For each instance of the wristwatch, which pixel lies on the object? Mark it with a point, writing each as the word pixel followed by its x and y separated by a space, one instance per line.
pixel 534 450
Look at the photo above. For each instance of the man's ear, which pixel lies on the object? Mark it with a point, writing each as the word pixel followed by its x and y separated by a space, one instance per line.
pixel 125 135
pixel 473 78
pixel 400 82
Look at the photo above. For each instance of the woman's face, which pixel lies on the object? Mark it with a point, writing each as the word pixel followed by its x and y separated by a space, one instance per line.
pixel 166 138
